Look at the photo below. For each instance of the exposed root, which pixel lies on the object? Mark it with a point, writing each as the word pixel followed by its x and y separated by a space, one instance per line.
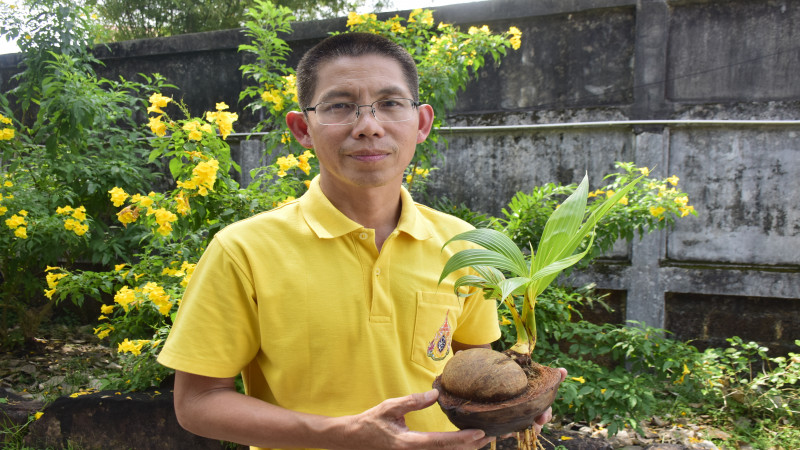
pixel 528 440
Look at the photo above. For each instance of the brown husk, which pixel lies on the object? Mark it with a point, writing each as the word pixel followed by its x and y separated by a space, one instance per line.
pixel 503 417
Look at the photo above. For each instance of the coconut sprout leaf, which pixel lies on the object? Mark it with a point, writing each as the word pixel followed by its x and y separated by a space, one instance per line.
pixel 472 281
pixel 476 257
pixel 491 274
pixel 509 286
pixel 544 276
pixel 601 211
pixel 561 227
pixel 497 242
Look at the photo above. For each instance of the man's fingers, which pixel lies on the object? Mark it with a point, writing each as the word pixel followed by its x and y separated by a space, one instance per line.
pixel 402 405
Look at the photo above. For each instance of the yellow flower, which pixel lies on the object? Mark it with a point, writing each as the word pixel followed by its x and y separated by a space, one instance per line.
pixel 673 180
pixel 128 346
pixel 145 201
pixel 6 134
pixel 273 96
pixel 193 129
pixel 307 183
pixel 164 219
pixel 49 293
pixel 412 17
pixel 623 201
pixel 644 171
pixel 52 279
pixel 158 127
pixel 354 18
pixel 224 121
pixel 79 213
pixel 516 38
pixel 205 174
pixel 580 380
pixel 182 204
pixel 128 215
pixel 657 210
pixel 16 221
pixel 107 309
pixel 398 28
pixel 427 18
pixel 38 415
pixel 125 297
pixel 118 196
pixel 682 200
pixel 409 178
pixel 686 210
pixel 158 296
pixel 287 200
pixel 221 106
pixel 285 163
pixel 685 372
pixel 610 193
pixel 4 119
pixel 9 184
pixel 158 101
pixel 119 267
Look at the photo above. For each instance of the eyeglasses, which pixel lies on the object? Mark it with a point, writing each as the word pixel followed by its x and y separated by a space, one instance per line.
pixel 345 113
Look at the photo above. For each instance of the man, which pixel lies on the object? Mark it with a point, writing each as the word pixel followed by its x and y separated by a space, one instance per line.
pixel 329 306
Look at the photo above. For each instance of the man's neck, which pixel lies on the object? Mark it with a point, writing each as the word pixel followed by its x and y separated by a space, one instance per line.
pixel 377 208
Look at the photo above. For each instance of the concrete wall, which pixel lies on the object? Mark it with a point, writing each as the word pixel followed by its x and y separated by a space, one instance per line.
pixel 597 81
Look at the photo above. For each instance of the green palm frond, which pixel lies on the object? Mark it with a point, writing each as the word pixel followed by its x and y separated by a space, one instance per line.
pixel 564 231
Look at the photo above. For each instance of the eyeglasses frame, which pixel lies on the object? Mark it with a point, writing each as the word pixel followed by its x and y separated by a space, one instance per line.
pixel 414 104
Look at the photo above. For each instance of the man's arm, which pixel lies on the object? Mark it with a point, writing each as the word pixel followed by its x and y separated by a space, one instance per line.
pixel 213 408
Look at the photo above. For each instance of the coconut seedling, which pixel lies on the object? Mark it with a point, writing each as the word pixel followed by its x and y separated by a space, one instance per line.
pixel 502 392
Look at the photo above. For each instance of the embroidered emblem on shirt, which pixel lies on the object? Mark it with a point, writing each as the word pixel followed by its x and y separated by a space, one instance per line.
pixel 439 347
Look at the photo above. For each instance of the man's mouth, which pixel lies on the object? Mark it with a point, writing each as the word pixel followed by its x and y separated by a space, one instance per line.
pixel 368 156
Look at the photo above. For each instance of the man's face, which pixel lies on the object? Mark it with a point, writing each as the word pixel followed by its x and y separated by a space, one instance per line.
pixel 366 153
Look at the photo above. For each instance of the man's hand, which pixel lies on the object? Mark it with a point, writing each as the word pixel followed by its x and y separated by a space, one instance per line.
pixel 547 416
pixel 384 427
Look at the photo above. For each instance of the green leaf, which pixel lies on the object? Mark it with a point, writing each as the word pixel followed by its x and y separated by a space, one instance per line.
pixel 561 226
pixel 476 257
pixel 497 242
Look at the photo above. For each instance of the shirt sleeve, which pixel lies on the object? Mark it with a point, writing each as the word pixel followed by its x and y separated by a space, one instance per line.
pixel 205 340
pixel 478 323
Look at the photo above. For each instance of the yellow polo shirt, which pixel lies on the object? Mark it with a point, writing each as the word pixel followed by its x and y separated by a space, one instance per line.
pixel 299 300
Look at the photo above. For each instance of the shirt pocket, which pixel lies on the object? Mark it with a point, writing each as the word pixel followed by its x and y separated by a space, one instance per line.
pixel 434 325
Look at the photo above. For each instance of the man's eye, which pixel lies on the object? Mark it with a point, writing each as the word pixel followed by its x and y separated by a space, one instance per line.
pixel 388 104
pixel 340 106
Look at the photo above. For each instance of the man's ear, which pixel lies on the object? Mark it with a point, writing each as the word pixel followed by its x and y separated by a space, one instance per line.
pixel 425 112
pixel 296 121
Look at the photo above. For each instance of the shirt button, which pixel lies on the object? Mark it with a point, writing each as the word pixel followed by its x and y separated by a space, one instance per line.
pixel 377 271
pixel 363 236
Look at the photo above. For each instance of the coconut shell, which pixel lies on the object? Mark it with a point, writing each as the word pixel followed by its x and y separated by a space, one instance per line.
pixel 503 417
pixel 484 375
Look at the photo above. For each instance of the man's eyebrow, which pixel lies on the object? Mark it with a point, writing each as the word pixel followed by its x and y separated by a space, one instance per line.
pixel 346 95
pixel 336 95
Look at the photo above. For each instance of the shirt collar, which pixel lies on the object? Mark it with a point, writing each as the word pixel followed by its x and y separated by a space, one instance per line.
pixel 328 222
